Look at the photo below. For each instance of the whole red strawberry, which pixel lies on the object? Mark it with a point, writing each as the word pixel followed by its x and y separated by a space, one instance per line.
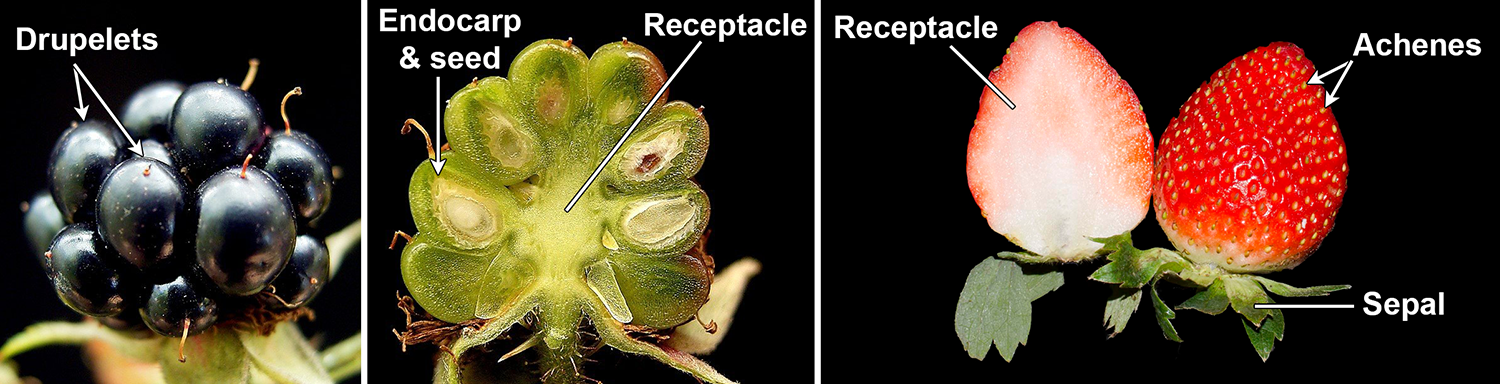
pixel 1251 173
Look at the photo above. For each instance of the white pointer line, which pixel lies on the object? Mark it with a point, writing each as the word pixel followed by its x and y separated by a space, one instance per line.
pixel 1336 86
pixel 135 146
pixel 1301 306
pixel 985 79
pixel 101 100
pixel 76 87
pixel 638 119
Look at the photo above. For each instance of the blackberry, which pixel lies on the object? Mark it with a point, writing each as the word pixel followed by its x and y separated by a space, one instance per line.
pixel 506 235
pixel 42 222
pixel 301 167
pixel 245 229
pixel 139 205
pixel 150 108
pixel 202 224
pixel 213 125
pixel 79 162
pixel 156 151
pixel 179 308
pixel 84 280
pixel 304 274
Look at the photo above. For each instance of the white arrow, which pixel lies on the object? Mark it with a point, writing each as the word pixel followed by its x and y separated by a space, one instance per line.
pixel 437 144
pixel 1317 79
pixel 83 110
pixel 135 146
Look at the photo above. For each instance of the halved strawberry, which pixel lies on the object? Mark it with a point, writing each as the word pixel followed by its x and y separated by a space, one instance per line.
pixel 1073 160
pixel 1253 170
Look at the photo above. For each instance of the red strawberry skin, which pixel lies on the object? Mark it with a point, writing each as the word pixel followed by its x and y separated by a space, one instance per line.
pixel 1073 160
pixel 1253 170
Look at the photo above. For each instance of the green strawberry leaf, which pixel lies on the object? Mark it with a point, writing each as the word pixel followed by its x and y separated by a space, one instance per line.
pixel 1133 268
pixel 995 306
pixel 1244 292
pixel 1264 338
pixel 1281 289
pixel 1164 316
pixel 1212 301
pixel 1122 303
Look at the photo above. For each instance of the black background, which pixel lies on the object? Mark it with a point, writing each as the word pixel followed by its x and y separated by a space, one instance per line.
pixel 316 48
pixel 901 230
pixel 758 174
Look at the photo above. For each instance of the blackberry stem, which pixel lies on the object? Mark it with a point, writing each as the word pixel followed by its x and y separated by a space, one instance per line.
pixel 246 165
pixel 295 91
pixel 250 75
pixel 399 235
pixel 406 128
pixel 182 345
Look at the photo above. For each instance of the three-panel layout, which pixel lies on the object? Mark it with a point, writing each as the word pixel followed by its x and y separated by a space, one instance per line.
pixel 402 192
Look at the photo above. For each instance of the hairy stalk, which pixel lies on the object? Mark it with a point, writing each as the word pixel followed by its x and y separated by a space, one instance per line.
pixel 559 354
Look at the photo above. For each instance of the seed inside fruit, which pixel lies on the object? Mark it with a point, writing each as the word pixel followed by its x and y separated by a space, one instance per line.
pixel 466 213
pixel 609 242
pixel 623 110
pixel 551 100
pixel 657 221
pixel 645 160
pixel 511 147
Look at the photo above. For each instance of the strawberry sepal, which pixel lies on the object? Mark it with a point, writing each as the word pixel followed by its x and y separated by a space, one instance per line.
pixel 1264 338
pixel 1284 290
pixel 1133 268
pixel 1164 316
pixel 1212 301
pixel 1131 271
pixel 1244 292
